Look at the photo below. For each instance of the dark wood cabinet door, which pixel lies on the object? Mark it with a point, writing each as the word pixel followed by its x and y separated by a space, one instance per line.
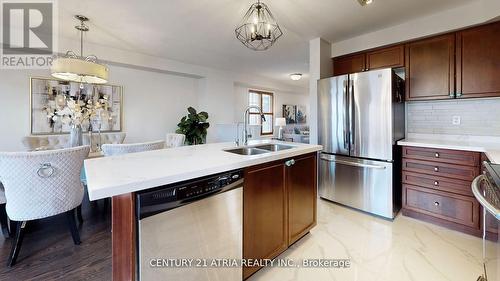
pixel 264 213
pixel 349 64
pixel 478 62
pixel 387 57
pixel 430 68
pixel 302 192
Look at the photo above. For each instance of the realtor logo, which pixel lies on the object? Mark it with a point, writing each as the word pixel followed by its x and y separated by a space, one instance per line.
pixel 28 37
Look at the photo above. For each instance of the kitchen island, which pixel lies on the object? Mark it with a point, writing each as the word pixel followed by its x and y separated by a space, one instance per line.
pixel 287 208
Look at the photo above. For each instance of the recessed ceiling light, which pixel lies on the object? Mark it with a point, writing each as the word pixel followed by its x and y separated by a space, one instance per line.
pixel 365 2
pixel 295 76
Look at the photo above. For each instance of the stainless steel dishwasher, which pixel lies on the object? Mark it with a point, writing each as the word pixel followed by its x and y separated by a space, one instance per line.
pixel 183 227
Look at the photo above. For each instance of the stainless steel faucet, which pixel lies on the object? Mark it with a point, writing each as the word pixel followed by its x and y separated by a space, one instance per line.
pixel 246 134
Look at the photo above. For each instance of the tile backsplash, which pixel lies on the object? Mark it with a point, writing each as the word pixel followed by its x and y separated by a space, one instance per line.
pixel 478 117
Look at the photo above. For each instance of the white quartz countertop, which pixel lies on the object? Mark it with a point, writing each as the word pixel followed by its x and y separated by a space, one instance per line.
pixel 490 147
pixel 116 175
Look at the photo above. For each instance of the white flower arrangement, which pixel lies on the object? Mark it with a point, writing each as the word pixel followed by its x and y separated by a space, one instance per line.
pixel 75 112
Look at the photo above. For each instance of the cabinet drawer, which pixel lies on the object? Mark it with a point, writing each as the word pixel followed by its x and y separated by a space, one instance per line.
pixel 438 183
pixel 467 173
pixel 456 157
pixel 446 206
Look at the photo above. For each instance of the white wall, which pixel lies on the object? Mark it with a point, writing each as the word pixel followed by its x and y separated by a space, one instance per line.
pixel 320 66
pixel 473 13
pixel 153 103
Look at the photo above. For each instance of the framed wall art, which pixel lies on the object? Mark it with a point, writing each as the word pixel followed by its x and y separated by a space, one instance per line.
pixel 290 113
pixel 53 103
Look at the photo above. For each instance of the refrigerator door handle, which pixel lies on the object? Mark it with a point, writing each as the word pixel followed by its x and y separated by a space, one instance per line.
pixel 351 116
pixel 346 108
pixel 354 164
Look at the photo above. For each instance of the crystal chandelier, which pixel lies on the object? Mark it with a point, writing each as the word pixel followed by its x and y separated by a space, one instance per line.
pixel 258 30
pixel 80 69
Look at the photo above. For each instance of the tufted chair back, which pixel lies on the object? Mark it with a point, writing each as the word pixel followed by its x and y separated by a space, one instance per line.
pixel 106 138
pixel 50 142
pixel 34 143
pixel 175 140
pixel 119 149
pixel 42 184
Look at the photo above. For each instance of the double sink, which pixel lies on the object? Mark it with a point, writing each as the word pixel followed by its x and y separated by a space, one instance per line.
pixel 259 149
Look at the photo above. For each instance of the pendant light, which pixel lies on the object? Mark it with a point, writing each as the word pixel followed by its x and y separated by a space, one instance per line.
pixel 258 30
pixel 79 68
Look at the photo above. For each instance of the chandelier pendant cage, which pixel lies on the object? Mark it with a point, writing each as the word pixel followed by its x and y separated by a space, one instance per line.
pixel 258 30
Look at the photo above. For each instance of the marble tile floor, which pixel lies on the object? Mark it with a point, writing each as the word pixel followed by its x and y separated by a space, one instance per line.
pixel 380 250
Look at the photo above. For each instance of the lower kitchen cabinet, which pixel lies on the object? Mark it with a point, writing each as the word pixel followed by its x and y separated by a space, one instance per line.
pixel 279 206
pixel 302 197
pixel 437 189
pixel 264 213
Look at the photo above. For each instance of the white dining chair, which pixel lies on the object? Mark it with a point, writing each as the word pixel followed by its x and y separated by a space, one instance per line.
pixel 175 140
pixel 119 149
pixel 50 142
pixel 104 138
pixel 40 185
pixel 3 213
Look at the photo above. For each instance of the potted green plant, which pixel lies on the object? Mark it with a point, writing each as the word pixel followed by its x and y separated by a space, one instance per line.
pixel 194 126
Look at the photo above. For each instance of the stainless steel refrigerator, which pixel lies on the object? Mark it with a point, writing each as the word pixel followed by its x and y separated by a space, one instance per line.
pixel 360 119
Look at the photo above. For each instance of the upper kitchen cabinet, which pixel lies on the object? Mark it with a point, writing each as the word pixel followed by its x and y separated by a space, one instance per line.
pixel 478 61
pixel 387 57
pixel 379 58
pixel 430 68
pixel 349 64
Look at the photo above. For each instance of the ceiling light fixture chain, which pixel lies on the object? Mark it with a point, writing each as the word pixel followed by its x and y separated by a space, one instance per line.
pixel 259 29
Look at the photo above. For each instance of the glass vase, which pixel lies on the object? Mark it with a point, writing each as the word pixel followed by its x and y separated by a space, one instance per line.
pixel 76 135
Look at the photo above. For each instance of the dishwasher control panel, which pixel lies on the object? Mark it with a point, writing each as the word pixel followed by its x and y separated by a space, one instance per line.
pixel 167 197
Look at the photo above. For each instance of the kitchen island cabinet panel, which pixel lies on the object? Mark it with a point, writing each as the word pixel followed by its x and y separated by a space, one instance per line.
pixel 264 213
pixel 279 206
pixel 302 193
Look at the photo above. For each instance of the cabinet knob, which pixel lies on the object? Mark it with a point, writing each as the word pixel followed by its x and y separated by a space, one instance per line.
pixel 436 155
pixel 290 162
pixel 436 203
pixel 436 183
pixel 436 169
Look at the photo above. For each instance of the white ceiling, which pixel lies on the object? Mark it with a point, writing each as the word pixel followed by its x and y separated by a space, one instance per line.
pixel 202 31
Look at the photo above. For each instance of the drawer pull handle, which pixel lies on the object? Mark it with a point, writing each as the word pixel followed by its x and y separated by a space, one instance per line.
pixel 436 169
pixel 437 155
pixel 436 183
pixel 436 203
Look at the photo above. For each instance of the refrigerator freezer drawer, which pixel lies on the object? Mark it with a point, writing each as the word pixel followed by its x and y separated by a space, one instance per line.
pixel 361 184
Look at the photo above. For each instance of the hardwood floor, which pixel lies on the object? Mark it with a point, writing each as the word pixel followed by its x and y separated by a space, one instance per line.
pixel 48 252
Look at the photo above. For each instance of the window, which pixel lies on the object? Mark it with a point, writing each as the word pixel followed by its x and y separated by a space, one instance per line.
pixel 265 101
